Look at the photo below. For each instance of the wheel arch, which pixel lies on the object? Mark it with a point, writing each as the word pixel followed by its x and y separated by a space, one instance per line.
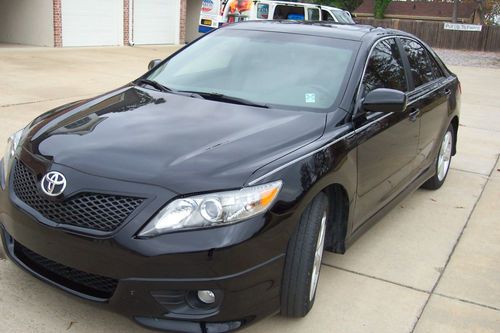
pixel 331 170
pixel 338 220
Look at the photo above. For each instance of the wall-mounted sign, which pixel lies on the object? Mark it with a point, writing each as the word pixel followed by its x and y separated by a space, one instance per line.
pixel 462 27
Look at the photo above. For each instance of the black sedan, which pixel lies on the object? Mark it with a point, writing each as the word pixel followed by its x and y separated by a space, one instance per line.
pixel 200 197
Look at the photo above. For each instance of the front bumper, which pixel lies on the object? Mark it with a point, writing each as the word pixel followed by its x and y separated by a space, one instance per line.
pixel 156 278
pixel 246 297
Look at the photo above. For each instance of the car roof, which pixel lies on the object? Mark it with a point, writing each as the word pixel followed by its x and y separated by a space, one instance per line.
pixel 305 4
pixel 355 32
pixel 292 3
pixel 332 8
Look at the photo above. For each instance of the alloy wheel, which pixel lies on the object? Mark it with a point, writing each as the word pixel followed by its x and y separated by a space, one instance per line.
pixel 444 156
pixel 318 256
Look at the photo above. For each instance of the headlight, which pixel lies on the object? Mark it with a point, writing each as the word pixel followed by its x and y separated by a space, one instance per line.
pixel 12 144
pixel 213 209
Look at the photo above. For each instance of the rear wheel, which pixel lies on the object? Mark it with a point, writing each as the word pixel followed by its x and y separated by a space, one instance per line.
pixel 303 259
pixel 443 161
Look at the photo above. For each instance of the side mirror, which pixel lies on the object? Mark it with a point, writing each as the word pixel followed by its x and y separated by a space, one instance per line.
pixel 385 100
pixel 153 63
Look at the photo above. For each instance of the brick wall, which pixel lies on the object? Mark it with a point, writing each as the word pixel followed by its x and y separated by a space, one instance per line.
pixel 126 22
pixel 419 9
pixel 182 28
pixel 57 17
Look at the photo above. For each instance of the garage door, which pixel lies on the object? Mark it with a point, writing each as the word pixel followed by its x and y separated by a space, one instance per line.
pixel 155 21
pixel 92 22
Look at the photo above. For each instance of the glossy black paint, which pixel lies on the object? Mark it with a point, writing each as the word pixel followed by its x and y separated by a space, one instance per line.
pixel 138 141
pixel 385 100
pixel 228 140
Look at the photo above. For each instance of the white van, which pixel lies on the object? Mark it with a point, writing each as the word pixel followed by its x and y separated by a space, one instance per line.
pixel 215 13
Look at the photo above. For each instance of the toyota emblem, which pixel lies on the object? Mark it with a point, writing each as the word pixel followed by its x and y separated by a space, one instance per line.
pixel 53 183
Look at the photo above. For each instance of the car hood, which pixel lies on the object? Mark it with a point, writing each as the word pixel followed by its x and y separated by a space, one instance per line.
pixel 181 143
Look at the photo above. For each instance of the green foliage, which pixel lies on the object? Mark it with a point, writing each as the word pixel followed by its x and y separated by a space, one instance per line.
pixel 488 10
pixel 491 13
pixel 380 7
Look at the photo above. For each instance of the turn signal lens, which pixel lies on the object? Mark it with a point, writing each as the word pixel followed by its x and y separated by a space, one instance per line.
pixel 213 209
pixel 268 196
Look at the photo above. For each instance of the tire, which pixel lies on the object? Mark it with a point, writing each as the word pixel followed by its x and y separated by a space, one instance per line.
pixel 443 160
pixel 298 290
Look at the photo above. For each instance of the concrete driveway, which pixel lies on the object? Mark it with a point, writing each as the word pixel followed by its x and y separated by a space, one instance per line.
pixel 431 265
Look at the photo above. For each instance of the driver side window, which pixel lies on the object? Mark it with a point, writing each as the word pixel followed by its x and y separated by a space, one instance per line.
pixel 385 68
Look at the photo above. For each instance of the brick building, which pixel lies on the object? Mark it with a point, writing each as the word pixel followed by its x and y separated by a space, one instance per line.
pixel 422 10
pixel 63 23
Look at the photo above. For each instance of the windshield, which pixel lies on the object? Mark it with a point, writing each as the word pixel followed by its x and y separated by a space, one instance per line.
pixel 343 17
pixel 274 69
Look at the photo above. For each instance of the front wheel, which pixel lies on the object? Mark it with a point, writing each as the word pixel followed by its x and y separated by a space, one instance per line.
pixel 443 161
pixel 303 259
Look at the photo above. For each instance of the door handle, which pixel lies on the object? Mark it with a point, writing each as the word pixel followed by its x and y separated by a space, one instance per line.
pixel 414 114
pixel 447 92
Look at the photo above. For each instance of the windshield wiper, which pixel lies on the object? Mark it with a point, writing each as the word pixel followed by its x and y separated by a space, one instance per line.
pixel 224 98
pixel 200 94
pixel 155 84
pixel 158 86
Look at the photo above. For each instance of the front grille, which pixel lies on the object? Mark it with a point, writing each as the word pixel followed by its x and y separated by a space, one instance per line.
pixel 82 282
pixel 95 211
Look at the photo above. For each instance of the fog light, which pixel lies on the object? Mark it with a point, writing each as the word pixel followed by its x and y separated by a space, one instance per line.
pixel 206 296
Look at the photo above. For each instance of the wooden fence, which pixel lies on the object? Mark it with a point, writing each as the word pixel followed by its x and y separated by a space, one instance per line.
pixel 433 33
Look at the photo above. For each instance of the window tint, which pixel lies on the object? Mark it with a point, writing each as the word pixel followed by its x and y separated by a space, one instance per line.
pixel 385 68
pixel 419 62
pixel 436 70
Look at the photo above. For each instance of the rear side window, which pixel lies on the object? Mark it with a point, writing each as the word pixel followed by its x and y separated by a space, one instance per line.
pixel 436 70
pixel 385 68
pixel 420 65
pixel 283 12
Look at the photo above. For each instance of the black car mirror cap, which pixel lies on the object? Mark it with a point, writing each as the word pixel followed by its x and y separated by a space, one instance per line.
pixel 153 63
pixel 385 100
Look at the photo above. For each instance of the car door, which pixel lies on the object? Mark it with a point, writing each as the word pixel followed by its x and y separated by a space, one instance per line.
pixel 429 97
pixel 387 146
